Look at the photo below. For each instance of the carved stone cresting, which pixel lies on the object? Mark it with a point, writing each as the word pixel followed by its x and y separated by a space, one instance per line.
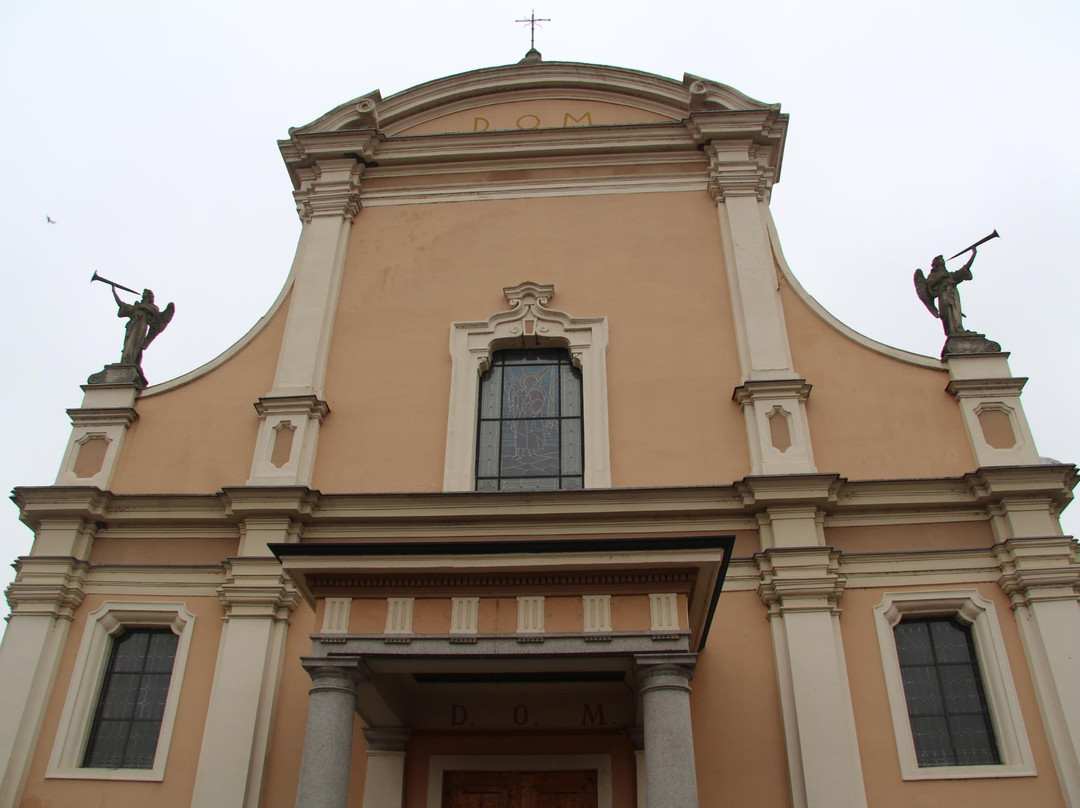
pixel 528 323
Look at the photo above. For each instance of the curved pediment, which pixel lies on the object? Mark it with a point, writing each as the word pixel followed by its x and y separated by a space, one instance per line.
pixel 535 95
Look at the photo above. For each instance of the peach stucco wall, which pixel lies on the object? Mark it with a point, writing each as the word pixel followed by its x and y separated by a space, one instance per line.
pixel 911 538
pixel 873 721
pixel 200 437
pixel 176 789
pixel 735 709
pixel 872 416
pixel 651 263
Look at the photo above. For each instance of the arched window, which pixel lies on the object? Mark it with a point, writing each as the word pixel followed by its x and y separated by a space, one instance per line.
pixel 529 435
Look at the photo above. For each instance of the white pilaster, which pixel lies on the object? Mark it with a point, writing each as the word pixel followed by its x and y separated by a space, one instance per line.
pixel 989 399
pixel 1041 576
pixel 47 590
pixel 384 782
pixel 327 201
pixel 98 428
pixel 258 602
pixel 802 587
pixel 776 425
pixel 772 396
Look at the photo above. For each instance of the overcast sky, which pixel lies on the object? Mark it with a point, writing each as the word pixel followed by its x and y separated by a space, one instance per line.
pixel 148 131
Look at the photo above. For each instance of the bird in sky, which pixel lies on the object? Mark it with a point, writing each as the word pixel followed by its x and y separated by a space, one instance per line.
pixel 50 219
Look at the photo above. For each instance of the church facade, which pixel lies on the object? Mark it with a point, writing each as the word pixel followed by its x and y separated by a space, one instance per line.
pixel 544 483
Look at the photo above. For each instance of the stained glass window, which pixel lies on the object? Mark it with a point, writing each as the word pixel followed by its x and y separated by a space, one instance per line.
pixel 530 435
pixel 126 725
pixel 950 720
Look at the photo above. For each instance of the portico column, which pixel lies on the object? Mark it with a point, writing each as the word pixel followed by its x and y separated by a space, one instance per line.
pixel 384 784
pixel 324 767
pixel 664 685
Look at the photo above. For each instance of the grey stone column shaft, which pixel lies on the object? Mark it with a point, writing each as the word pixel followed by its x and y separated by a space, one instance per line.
pixel 670 774
pixel 324 768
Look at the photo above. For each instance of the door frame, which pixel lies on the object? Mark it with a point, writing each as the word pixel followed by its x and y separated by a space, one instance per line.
pixel 439 764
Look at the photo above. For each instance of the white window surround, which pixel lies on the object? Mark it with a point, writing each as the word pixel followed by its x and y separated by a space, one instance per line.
pixel 439 764
pixel 977 612
pixel 527 324
pixel 84 689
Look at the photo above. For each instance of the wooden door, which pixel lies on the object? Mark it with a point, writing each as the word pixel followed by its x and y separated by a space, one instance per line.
pixel 573 789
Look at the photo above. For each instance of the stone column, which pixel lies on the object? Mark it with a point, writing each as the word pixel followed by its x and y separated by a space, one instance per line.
pixel 664 685
pixel 384 785
pixel 324 767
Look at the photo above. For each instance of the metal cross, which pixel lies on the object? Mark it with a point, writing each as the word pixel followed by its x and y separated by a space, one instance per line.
pixel 532 21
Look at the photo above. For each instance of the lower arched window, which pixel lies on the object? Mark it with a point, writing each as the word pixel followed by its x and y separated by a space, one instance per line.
pixel 529 435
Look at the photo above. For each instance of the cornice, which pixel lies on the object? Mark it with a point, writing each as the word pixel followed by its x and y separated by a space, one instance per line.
pixel 35 503
pixel 1039 569
pixel 103 416
pixel 312 406
pixel 587 512
pixel 746 392
pixel 658 93
pixel 980 388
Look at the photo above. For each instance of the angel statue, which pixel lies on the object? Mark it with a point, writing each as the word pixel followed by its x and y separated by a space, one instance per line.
pixel 941 285
pixel 145 322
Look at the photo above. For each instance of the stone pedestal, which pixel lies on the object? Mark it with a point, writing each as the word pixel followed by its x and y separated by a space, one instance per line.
pixel 118 374
pixel 971 343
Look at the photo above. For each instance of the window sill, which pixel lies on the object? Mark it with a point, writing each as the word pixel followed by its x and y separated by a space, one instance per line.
pixel 968 772
pixel 156 774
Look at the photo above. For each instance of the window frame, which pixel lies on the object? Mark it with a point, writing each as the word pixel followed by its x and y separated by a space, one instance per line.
pixel 972 610
pixel 527 324
pixel 87 679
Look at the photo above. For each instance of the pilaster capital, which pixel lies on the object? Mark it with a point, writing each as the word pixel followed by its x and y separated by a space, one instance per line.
pixel 771 389
pixel 257 588
pixel 310 406
pixel 984 388
pixel 800 580
pixel 1037 570
pixel 329 189
pixel 47 586
pixel 103 416
pixel 747 180
pixel 387 739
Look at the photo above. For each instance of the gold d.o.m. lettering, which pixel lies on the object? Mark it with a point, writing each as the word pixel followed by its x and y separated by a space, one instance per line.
pixel 458 715
pixel 535 118
pixel 585 119
pixel 591 717
pixel 480 124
